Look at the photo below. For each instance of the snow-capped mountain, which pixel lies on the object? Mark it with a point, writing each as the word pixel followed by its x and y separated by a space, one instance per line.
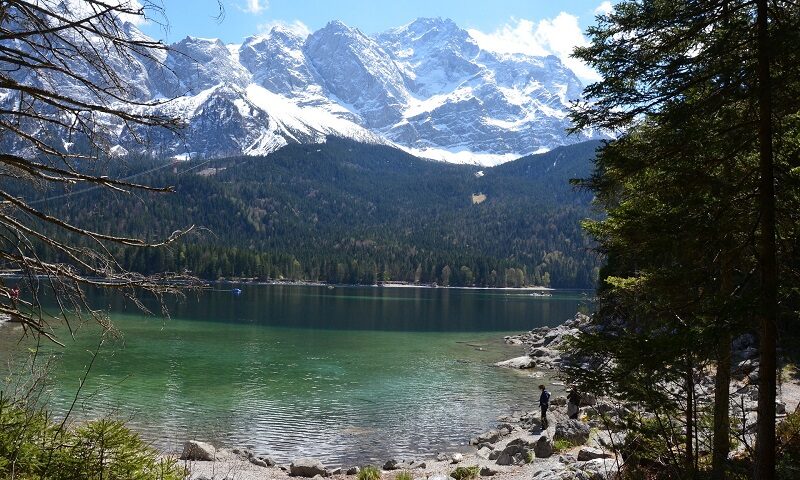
pixel 427 87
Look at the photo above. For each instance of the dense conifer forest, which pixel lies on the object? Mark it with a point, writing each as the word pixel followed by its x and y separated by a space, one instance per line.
pixel 344 212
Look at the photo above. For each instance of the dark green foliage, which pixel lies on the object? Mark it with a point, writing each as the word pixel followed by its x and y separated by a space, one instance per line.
pixel 344 212
pixel 692 218
pixel 788 432
pixel 32 446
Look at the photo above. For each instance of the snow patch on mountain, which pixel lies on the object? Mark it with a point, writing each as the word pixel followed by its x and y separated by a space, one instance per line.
pixel 426 86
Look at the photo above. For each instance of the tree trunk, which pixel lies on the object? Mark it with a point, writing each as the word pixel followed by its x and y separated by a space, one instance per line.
pixel 765 437
pixel 722 399
pixel 689 417
pixel 722 408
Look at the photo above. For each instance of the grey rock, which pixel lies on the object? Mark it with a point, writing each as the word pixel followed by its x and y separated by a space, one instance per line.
pixel 495 454
pixel 574 431
pixel 391 464
pixel 196 450
pixel 258 462
pixel 307 467
pixel 443 457
pixel 543 447
pixel 600 469
pixel 491 436
pixel 456 458
pixel 336 471
pixel 588 453
pixel 353 470
pixel 488 472
pixel 484 452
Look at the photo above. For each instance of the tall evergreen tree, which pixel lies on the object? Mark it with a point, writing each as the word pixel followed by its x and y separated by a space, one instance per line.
pixel 711 66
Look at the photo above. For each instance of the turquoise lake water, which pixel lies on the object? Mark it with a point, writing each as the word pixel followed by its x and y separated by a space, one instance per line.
pixel 348 375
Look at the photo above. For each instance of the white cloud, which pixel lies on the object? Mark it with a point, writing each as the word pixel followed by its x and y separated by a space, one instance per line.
pixel 296 26
pixel 557 36
pixel 256 6
pixel 604 8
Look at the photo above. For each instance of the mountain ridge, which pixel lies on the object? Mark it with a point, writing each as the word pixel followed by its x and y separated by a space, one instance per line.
pixel 426 87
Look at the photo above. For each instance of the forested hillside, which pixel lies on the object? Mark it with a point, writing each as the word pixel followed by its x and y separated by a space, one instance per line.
pixel 345 212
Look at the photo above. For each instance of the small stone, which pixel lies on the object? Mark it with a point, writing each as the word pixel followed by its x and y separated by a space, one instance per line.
pixel 488 472
pixel 258 462
pixel 391 464
pixel 443 457
pixel 353 470
pixel 457 458
pixel 337 471
pixel 484 453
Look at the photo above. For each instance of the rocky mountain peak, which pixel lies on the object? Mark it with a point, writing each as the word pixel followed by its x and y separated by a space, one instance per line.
pixel 425 86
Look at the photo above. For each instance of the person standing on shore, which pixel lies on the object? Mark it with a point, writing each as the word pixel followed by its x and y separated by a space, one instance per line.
pixel 544 403
pixel 573 404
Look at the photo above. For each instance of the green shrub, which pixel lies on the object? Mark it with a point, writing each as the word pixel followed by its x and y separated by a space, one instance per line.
pixel 369 472
pixel 466 473
pixel 32 445
pixel 404 475
pixel 529 457
pixel 562 445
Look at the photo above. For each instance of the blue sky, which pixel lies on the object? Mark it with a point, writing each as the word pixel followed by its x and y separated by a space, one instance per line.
pixel 244 17
pixel 528 26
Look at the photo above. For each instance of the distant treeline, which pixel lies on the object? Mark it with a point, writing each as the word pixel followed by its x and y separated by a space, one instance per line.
pixel 344 212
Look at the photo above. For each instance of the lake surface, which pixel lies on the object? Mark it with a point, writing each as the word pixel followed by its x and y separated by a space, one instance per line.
pixel 348 375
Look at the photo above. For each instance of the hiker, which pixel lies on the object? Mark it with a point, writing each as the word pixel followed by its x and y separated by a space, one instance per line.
pixel 544 403
pixel 573 404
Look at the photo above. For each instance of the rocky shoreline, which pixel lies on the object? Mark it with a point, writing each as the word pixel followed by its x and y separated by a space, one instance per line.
pixel 518 448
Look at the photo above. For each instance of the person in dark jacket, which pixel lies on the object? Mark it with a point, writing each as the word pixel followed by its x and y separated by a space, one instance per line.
pixel 544 403
pixel 573 404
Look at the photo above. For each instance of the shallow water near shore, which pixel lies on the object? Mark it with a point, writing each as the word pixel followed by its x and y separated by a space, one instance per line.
pixel 347 375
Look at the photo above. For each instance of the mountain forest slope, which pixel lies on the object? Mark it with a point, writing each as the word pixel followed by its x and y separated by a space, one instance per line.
pixel 348 212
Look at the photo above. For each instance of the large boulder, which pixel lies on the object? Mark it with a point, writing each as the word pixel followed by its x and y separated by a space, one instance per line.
pixel 543 447
pixel 522 362
pixel 589 453
pixel 307 467
pixel 601 469
pixel 515 453
pixel 489 437
pixel 196 450
pixel 573 431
